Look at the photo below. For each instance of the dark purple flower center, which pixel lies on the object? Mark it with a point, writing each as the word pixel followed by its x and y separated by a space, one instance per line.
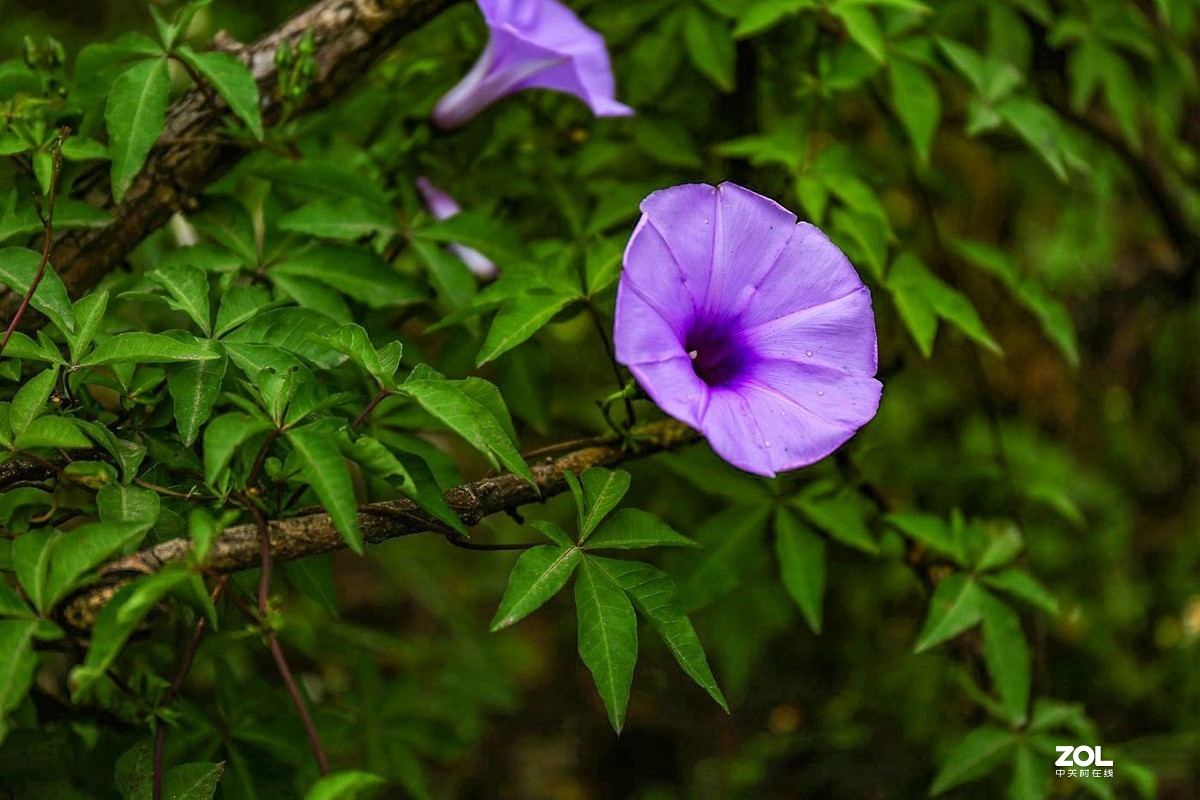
pixel 718 355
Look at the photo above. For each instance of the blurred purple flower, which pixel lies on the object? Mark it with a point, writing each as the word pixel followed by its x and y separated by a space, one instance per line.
pixel 442 206
pixel 534 44
pixel 748 326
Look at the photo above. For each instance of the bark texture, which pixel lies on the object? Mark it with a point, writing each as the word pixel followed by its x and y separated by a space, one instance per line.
pixel 238 548
pixel 348 35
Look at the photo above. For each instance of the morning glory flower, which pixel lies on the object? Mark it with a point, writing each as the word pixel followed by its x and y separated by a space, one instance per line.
pixel 534 44
pixel 443 206
pixel 748 326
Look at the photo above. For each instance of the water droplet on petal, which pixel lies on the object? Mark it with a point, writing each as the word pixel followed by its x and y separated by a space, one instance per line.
pixel 808 353
pixel 766 444
pixel 692 354
pixel 820 394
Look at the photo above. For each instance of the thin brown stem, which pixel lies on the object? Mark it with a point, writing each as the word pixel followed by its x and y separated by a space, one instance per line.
pixel 598 323
pixel 375 401
pixel 285 672
pixel 47 215
pixel 185 666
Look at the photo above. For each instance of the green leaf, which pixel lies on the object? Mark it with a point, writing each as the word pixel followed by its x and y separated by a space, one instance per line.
pixel 975 755
pixel 416 480
pixel 349 218
pixel 1041 129
pixel 608 642
pixel 18 663
pixel 203 528
pixel 955 606
pixel 149 348
pixel 710 47
pixel 84 548
pixel 1023 586
pixel 381 364
pixel 492 238
pixel 128 504
pixel 1004 543
pixel 18 268
pixel 222 438
pixel 518 319
pixel 324 470
pixel 194 388
pixel 30 400
pixel 52 432
pixel 133 772
pixel 601 489
pixel 631 529
pixel 239 304
pixel 188 287
pixel 929 530
pixel 917 102
pixel 452 403
pixel 11 605
pixel 31 554
pixel 801 554
pixel 1007 656
pixel 355 272
pixel 537 576
pixel 347 785
pixel 196 781
pixel 313 577
pixel 135 115
pixel 232 80
pixel 863 29
pixel 1030 779
pixel 88 313
pixel 919 294
pixel 117 621
pixel 762 15
pixel 552 532
pixel 655 597
pixel 294 330
pixel 843 515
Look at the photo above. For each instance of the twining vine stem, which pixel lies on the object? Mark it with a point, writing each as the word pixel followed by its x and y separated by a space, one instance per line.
pixel 47 215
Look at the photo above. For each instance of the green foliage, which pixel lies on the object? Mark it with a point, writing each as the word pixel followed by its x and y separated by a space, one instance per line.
pixel 1007 549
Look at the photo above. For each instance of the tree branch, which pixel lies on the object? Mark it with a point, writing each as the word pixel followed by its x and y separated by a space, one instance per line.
pixel 239 547
pixel 348 36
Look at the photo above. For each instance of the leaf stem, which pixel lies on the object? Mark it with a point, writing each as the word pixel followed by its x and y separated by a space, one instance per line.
pixel 47 242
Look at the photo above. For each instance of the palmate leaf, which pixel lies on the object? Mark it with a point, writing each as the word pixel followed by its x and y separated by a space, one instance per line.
pixel 325 471
pixel 135 114
pixel 654 596
pixel 455 404
pixel 608 642
pixel 538 575
pixel 194 388
pixel 188 288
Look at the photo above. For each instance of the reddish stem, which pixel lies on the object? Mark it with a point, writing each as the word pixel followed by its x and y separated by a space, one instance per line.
pixel 48 227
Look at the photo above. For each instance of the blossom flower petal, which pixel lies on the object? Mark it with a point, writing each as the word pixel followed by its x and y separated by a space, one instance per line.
pixel 442 206
pixel 534 44
pixel 747 325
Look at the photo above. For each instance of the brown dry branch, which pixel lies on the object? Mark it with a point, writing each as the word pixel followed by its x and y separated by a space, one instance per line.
pixel 348 37
pixel 239 547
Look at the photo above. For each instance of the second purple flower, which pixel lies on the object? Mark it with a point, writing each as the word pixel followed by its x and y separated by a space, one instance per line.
pixel 534 44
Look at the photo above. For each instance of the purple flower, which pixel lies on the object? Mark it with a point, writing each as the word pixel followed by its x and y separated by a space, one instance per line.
pixel 443 206
pixel 534 44
pixel 747 325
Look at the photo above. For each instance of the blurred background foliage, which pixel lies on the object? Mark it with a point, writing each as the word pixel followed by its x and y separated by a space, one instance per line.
pixel 1018 184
